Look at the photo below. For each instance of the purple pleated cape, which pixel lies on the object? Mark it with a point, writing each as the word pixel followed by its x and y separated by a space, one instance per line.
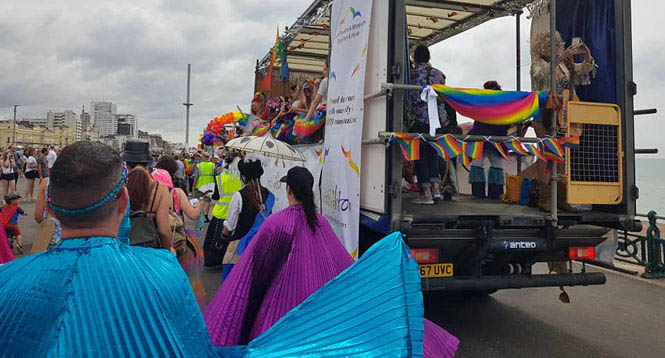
pixel 283 265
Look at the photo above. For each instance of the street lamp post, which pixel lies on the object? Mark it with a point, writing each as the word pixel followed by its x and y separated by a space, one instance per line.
pixel 187 105
pixel 14 131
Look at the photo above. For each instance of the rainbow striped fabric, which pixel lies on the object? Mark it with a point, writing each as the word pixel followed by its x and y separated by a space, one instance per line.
pixel 533 149
pixel 446 147
pixel 464 160
pixel 493 107
pixel 305 129
pixel 517 147
pixel 572 142
pixel 409 145
pixel 552 146
pixel 499 148
pixel 473 150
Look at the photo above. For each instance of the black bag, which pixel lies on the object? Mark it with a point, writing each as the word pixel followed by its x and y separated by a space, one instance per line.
pixel 143 230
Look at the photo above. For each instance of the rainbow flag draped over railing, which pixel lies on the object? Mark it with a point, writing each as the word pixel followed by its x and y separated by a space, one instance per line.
pixel 409 145
pixel 491 106
pixel 305 129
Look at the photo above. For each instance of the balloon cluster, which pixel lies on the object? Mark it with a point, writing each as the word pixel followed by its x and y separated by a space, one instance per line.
pixel 216 125
pixel 208 139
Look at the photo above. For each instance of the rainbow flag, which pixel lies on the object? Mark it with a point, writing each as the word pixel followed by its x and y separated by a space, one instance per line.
pixel 551 156
pixel 473 150
pixel 304 130
pixel 533 149
pixel 572 142
pixel 499 148
pixel 465 161
pixel 446 146
pixel 409 145
pixel 491 106
pixel 552 145
pixel 517 147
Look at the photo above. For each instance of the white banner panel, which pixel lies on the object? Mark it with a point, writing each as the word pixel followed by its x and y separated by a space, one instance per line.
pixel 340 186
pixel 275 169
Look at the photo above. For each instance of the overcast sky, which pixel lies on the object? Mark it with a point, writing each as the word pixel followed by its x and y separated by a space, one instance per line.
pixel 63 54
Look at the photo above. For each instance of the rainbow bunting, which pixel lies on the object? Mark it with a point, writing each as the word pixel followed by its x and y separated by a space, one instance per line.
pixel 446 146
pixel 517 147
pixel 465 161
pixel 409 145
pixel 553 157
pixel 570 142
pixel 499 148
pixel 533 149
pixel 493 107
pixel 552 145
pixel 474 150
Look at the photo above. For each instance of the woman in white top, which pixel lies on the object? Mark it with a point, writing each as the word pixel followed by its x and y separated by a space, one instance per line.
pixel 9 172
pixel 31 173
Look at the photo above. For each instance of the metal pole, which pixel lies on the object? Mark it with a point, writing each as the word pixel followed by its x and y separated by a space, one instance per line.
pixel 553 80
pixel 14 130
pixel 518 71
pixel 187 105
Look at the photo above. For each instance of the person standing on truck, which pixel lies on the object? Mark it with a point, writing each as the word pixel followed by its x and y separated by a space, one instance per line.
pixel 427 168
pixel 321 94
pixel 495 175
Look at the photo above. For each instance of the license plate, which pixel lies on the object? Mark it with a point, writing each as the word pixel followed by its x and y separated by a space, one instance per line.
pixel 436 270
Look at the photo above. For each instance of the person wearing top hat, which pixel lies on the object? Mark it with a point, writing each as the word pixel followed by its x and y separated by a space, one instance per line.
pixel 146 194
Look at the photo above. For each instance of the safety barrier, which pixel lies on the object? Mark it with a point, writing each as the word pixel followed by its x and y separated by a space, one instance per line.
pixel 644 250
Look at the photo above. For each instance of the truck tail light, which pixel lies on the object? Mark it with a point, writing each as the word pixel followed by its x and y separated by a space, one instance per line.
pixel 426 256
pixel 582 253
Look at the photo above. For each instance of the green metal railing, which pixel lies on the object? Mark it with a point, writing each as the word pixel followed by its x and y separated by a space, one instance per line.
pixel 644 250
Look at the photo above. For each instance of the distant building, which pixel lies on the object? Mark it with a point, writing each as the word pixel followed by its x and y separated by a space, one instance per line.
pixel 102 115
pixel 28 134
pixel 85 119
pixel 68 119
pixel 128 125
pixel 35 121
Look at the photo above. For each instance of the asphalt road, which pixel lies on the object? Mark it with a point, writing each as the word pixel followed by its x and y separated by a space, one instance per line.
pixel 623 318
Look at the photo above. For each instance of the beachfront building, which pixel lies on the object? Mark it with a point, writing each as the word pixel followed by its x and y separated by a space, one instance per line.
pixel 102 116
pixel 128 125
pixel 28 134
pixel 68 119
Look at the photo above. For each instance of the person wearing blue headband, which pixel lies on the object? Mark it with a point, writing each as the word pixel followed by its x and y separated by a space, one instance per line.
pixel 93 294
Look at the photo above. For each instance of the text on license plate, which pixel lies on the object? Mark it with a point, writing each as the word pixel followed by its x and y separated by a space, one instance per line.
pixel 436 270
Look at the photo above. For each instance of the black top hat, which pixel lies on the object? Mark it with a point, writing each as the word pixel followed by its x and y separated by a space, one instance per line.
pixel 298 177
pixel 136 151
pixel 251 169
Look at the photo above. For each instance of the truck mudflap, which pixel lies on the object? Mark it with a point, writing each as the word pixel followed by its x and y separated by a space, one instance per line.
pixel 488 283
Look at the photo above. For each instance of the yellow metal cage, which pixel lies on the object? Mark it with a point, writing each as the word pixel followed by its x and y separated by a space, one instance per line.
pixel 595 170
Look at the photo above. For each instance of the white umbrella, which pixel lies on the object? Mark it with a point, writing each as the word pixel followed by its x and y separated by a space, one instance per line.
pixel 266 145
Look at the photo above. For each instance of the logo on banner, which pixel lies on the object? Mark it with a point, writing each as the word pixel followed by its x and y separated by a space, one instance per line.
pixel 353 12
pixel 334 199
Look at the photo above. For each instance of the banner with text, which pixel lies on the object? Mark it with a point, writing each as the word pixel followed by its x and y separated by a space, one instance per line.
pixel 340 185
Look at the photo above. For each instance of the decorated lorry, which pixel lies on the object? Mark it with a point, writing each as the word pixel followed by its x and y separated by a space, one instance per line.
pixel 462 244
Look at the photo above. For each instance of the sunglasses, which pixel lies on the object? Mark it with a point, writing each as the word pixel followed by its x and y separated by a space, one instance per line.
pixel 308 90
